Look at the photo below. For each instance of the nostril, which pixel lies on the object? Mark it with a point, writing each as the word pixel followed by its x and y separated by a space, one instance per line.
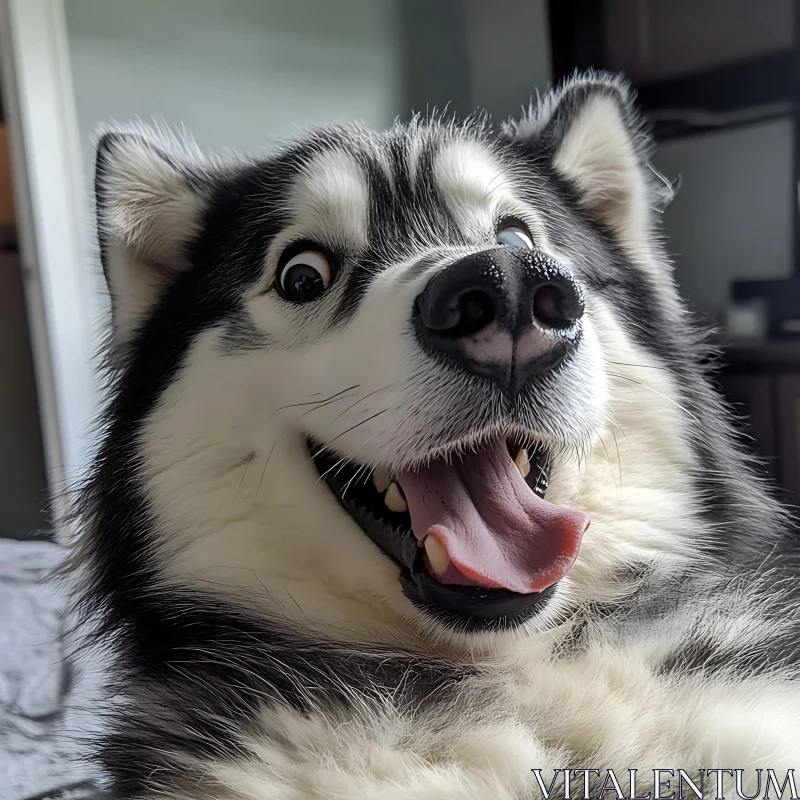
pixel 475 309
pixel 556 307
pixel 547 304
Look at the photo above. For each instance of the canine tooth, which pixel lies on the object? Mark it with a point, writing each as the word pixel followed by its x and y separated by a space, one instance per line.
pixel 381 480
pixel 437 555
pixel 394 499
pixel 523 462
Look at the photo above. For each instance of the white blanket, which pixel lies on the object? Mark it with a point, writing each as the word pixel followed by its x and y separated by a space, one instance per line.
pixel 40 718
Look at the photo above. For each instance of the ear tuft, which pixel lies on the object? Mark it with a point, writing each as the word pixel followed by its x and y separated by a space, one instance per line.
pixel 151 195
pixel 594 137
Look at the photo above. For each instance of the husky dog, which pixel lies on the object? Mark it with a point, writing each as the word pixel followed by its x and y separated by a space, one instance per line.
pixel 413 480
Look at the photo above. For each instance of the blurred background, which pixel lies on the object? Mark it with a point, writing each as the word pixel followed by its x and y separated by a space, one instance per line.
pixel 719 79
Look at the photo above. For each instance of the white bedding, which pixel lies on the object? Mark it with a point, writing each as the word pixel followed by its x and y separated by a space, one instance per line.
pixel 39 712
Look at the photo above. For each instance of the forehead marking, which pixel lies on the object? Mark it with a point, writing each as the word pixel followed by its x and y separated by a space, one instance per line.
pixel 383 162
pixel 330 199
pixel 414 152
pixel 473 183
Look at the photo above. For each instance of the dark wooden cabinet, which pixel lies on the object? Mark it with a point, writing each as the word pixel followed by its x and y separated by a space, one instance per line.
pixel 753 396
pixel 788 419
pixel 763 383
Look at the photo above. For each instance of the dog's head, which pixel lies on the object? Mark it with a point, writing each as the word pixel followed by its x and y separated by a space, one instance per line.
pixel 422 380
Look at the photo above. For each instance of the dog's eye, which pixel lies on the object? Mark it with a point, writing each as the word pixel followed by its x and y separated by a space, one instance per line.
pixel 305 276
pixel 514 236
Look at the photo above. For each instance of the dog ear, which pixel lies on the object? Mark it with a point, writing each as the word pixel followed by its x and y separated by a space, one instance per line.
pixel 151 194
pixel 594 138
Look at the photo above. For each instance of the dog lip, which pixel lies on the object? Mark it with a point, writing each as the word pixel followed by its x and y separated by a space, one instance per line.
pixel 469 608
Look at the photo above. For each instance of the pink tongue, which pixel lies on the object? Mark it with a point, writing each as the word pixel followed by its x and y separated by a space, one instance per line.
pixel 498 532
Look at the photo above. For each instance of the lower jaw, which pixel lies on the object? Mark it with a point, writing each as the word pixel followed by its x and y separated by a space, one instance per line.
pixel 469 609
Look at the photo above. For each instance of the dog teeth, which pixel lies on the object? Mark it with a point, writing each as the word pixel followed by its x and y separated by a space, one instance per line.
pixel 394 499
pixel 437 555
pixel 381 481
pixel 523 462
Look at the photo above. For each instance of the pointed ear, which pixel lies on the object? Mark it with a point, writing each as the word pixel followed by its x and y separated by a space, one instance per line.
pixel 595 138
pixel 151 194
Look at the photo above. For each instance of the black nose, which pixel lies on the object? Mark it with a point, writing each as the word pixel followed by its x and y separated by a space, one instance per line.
pixel 507 314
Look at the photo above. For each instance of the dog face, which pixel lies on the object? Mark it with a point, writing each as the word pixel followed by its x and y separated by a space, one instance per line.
pixel 414 383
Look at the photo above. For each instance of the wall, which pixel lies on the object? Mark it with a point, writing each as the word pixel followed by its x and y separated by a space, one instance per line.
pixel 465 55
pixel 732 216
pixel 240 73
pixel 509 54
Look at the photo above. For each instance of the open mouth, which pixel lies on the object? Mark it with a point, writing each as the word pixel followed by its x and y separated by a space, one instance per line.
pixel 477 543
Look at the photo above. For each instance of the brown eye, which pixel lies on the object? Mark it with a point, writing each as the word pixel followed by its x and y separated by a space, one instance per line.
pixel 514 236
pixel 305 276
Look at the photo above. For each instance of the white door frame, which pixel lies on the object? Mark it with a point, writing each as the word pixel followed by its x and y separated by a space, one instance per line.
pixel 51 202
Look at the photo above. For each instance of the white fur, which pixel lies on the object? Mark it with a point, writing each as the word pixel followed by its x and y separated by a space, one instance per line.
pixel 479 190
pixel 332 199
